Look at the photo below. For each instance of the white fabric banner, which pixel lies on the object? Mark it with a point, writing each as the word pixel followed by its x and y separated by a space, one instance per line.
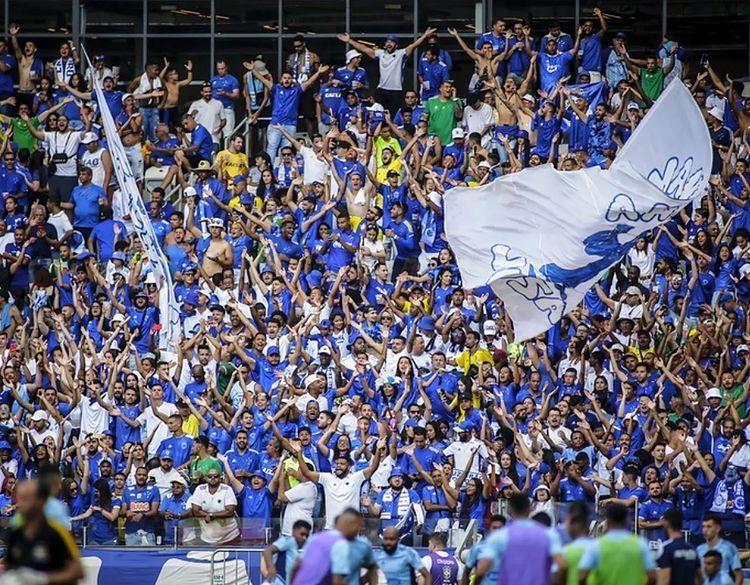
pixel 169 311
pixel 542 237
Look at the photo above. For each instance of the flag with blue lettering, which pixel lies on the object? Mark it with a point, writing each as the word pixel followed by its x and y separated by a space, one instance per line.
pixel 541 238
pixel 139 216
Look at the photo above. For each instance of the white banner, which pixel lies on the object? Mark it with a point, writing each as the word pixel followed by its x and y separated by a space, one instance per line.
pixel 542 237
pixel 169 311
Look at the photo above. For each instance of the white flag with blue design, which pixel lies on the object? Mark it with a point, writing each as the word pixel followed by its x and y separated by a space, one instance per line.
pixel 169 311
pixel 541 238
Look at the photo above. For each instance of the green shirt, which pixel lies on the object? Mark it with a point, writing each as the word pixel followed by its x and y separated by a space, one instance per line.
pixel 199 468
pixel 572 553
pixel 21 134
pixel 442 118
pixel 652 82
pixel 620 561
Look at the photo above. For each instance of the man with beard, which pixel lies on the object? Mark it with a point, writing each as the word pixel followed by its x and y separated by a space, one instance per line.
pixel 394 506
pixel 342 487
pixel 391 65
pixel 397 561
pixel 141 506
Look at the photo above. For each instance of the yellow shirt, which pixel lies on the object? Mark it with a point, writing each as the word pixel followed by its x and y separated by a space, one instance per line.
pixel 230 165
pixel 293 465
pixel 382 173
pixel 380 144
pixel 191 426
pixel 466 359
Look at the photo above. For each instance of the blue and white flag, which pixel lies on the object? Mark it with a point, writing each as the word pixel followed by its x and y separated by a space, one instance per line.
pixel 170 314
pixel 542 237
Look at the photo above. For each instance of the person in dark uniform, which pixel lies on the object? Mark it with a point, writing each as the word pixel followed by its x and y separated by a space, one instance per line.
pixel 40 551
pixel 678 563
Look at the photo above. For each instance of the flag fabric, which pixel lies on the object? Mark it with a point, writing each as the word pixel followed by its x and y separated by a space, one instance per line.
pixel 170 314
pixel 541 238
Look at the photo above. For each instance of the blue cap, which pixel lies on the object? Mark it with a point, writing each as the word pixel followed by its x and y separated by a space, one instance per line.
pixel 273 350
pixel 189 267
pixel 427 323
pixel 5 445
pixel 314 278
pixel 118 256
pixel 190 299
pixel 141 293
pixel 544 468
pixel 83 255
pixel 325 324
pixel 167 454
pixel 239 179
pixel 465 427
pixel 669 319
pixel 393 38
pixel 267 268
pixel 259 473
pixel 353 337
pixel 523 134
pixel 396 472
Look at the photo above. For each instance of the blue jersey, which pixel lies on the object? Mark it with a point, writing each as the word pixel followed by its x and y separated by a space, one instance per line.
pixel 400 565
pixel 139 500
pixel 227 83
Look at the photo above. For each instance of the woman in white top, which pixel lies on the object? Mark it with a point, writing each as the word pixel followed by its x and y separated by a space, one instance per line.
pixel 371 250
pixel 642 256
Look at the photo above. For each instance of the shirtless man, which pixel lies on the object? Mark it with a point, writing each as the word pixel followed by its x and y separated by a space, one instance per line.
pixel 486 62
pixel 219 255
pixel 509 103
pixel 130 128
pixel 173 84
pixel 30 67
pixel 358 193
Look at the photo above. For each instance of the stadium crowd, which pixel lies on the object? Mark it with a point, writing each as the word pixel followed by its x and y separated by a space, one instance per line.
pixel 329 360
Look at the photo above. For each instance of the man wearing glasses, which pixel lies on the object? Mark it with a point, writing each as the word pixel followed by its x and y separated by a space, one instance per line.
pixel 214 504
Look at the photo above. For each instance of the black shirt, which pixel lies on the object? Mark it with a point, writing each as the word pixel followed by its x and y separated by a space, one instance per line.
pixel 679 556
pixel 51 549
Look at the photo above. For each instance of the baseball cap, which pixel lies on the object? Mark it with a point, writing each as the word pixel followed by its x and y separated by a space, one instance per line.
pixel 39 415
pixel 427 323
pixel 239 179
pixel 89 137
pixel 458 133
pixel 190 192
pixel 167 454
pixel 489 328
pixel 191 299
pixel 393 38
pixel 125 96
pixel 118 256
pixel 324 350
pixel 617 347
pixel 273 350
pixel 620 35
pixel 5 445
pixel 179 479
pixel 743 347
pixel 485 165
pixel 529 98
pixel 633 290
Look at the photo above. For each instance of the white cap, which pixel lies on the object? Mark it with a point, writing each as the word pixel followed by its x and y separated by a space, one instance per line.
pixel 634 106
pixel 205 291
pixel 485 165
pixel 352 54
pixel 125 96
pixel 633 290
pixel 713 393
pixel 376 107
pixel 151 278
pixel 489 328
pixel 190 192
pixel 744 269
pixel 458 133
pixel 39 415
pixel 309 380
pixel 215 222
pixel 617 347
pixel 743 347
pixel 117 317
pixel 89 137
pixel 717 113
pixel 179 479
pixel 324 349
pixel 529 98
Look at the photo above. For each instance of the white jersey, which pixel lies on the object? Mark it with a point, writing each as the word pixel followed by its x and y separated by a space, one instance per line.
pixel 93 160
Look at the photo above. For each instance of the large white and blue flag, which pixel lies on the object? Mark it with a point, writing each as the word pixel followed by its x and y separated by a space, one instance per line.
pixel 170 314
pixel 542 237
